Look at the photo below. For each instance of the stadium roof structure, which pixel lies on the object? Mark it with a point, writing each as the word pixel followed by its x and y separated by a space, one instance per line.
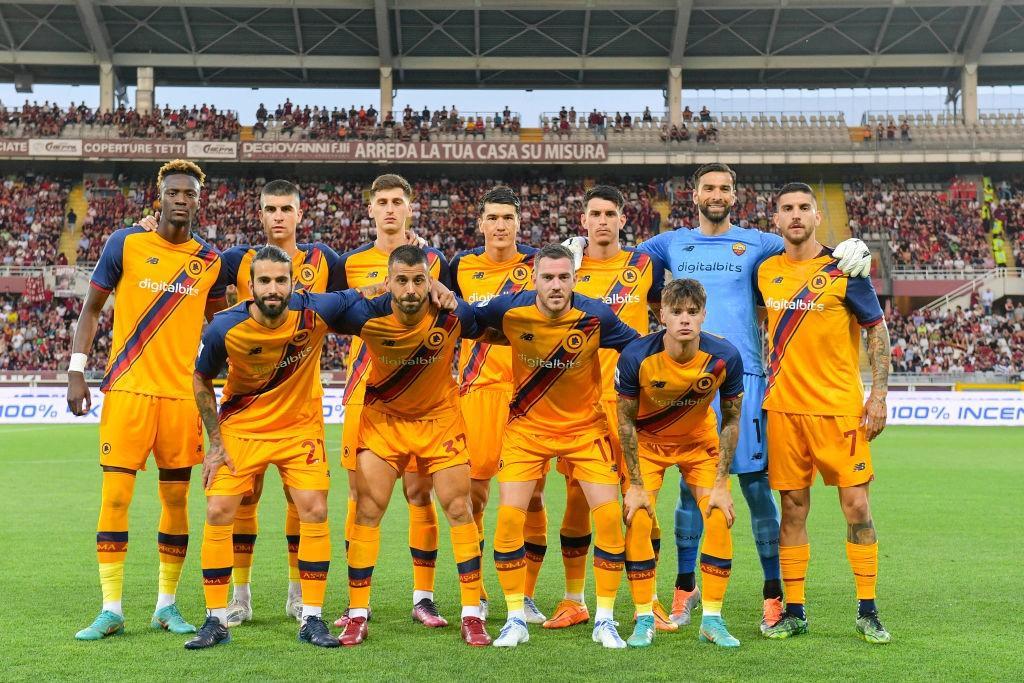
pixel 516 43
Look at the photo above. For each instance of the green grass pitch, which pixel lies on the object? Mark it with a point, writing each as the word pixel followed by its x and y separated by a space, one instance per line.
pixel 946 504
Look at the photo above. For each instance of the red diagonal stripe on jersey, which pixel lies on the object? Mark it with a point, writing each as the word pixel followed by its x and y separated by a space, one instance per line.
pixel 641 262
pixel 542 379
pixel 403 377
pixel 240 402
pixel 790 321
pixel 151 321
pixel 669 415
pixel 357 371
pixel 478 357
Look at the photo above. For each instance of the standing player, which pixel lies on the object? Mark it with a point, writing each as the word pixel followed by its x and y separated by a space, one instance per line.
pixel 556 412
pixel 723 257
pixel 315 268
pixel 367 265
pixel 501 266
pixel 667 383
pixel 164 282
pixel 271 413
pixel 628 281
pixel 411 418
pixel 817 418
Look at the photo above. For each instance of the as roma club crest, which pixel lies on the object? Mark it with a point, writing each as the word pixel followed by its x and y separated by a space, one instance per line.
pixel 739 248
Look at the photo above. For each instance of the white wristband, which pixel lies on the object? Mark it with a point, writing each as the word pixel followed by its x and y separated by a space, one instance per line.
pixel 77 363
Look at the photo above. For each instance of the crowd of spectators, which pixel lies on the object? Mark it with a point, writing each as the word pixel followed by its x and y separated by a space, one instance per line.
pixel 112 205
pixel 924 228
pixel 978 338
pixel 31 219
pixel 366 123
pixel 38 335
pixel 568 122
pixel 204 122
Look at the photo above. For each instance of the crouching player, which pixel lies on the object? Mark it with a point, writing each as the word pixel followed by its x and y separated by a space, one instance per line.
pixel 271 413
pixel 666 383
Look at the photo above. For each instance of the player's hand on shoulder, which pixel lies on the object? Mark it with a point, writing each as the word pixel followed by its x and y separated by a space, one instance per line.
pixel 854 257
pixel 149 223
pixel 79 398
pixel 442 297
pixel 415 240
pixel 875 413
pixel 215 458
pixel 577 245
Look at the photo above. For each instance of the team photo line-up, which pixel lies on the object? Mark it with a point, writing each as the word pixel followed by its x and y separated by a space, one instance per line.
pixel 755 371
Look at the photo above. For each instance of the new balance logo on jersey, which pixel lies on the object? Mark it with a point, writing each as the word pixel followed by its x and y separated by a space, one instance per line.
pixel 526 336
pixel 388 342
pixel 256 350
pixel 859 467
pixel 478 275
pixel 777 281
pixel 372 274
pixel 585 278
pixel 170 288
pixel 658 384
pixel 152 260
pixel 689 248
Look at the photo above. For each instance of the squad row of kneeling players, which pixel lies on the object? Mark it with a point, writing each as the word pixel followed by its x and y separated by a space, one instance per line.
pixel 551 348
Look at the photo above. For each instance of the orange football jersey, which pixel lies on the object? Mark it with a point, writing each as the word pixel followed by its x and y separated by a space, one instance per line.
pixel 361 267
pixel 478 279
pixel 813 334
pixel 627 282
pixel 556 372
pixel 315 267
pixel 273 388
pixel 676 400
pixel 160 294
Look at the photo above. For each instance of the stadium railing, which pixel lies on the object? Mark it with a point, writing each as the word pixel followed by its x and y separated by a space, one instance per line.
pixel 916 273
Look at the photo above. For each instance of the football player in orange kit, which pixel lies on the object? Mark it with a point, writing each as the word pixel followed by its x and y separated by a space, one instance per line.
pixel 818 420
pixel 164 283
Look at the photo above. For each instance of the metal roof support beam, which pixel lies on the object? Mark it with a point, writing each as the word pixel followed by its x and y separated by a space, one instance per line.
pixel 298 39
pixel 8 36
pixel 980 35
pixel 586 39
pixel 771 38
pixel 469 63
pixel 191 38
pixel 681 29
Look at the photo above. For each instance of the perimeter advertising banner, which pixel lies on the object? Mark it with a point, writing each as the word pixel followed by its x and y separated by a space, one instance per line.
pixel 48 405
pixel 114 148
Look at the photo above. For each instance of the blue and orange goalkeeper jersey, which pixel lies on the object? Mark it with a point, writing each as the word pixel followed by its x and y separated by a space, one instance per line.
pixel 556 372
pixel 813 334
pixel 627 282
pixel 160 293
pixel 409 371
pixel 675 399
pixel 315 267
pixel 273 388
pixel 478 279
pixel 361 267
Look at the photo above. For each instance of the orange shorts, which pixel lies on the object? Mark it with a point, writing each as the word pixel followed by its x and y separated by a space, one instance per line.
pixel 800 445
pixel 133 425
pixel 589 457
pixel 301 460
pixel 697 462
pixel 487 411
pixel 426 446
pixel 611 413
pixel 350 435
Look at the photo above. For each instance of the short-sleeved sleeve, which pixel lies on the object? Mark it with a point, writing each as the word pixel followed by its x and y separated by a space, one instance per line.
pixel 491 313
pixel 344 312
pixel 453 272
pixel 615 334
pixel 863 301
pixel 109 268
pixel 471 329
pixel 627 370
pixel 657 280
pixel 657 246
pixel 230 262
pixel 444 275
pixel 771 245
pixel 336 279
pixel 733 384
pixel 342 272
pixel 213 353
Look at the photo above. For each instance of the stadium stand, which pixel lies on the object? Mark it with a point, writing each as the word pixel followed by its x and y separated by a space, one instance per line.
pixel 31 219
pixel 79 121
pixel 37 335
